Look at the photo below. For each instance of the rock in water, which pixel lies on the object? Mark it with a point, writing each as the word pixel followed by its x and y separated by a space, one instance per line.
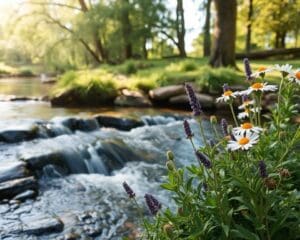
pixel 13 170
pixel 124 124
pixel 41 225
pixel 11 188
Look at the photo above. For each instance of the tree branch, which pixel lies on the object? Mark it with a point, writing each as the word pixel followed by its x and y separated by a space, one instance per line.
pixel 54 4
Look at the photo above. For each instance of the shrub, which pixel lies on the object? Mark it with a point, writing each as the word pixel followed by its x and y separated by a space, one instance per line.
pixel 188 65
pixel 246 185
pixel 26 73
pixel 130 68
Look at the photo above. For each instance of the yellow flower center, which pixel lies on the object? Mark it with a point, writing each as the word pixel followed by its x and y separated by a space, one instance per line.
pixel 228 93
pixel 243 141
pixel 297 75
pixel 257 86
pixel 262 68
pixel 246 125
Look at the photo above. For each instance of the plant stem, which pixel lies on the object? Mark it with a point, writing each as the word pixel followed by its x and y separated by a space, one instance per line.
pixel 202 132
pixel 233 114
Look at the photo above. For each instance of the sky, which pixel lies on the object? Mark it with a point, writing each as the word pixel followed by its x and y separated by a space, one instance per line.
pixel 193 20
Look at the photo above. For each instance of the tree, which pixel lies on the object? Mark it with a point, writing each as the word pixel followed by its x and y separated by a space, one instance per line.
pixel 206 29
pixel 223 53
pixel 249 26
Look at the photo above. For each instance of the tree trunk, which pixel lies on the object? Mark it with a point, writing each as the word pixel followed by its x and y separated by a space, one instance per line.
pixel 126 29
pixel 277 40
pixel 180 28
pixel 207 42
pixel 249 27
pixel 223 53
pixel 145 51
pixel 282 39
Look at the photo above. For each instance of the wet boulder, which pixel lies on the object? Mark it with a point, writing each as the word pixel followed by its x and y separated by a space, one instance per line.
pixel 40 225
pixel 19 132
pixel 13 170
pixel 124 124
pixel 10 189
pixel 81 124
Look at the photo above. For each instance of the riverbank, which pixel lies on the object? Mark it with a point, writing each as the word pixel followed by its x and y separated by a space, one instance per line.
pixel 132 83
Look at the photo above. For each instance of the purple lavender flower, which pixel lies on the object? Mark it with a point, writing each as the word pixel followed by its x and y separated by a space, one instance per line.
pixel 247 67
pixel 203 159
pixel 187 129
pixel 153 204
pixel 194 102
pixel 262 169
pixel 245 98
pixel 224 127
pixel 128 190
pixel 226 87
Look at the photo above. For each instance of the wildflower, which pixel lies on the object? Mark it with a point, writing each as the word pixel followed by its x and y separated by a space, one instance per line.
pixel 270 183
pixel 259 87
pixel 262 169
pixel 247 111
pixel 284 69
pixel 153 204
pixel 242 142
pixel 227 94
pixel 262 70
pixel 246 102
pixel 295 77
pixel 284 172
pixel 194 102
pixel 128 190
pixel 246 128
pixel 188 132
pixel 224 126
pixel 248 70
pixel 203 159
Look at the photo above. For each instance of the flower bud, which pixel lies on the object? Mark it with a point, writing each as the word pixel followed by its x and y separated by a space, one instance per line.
pixel 170 155
pixel 168 229
pixel 213 119
pixel 170 165
pixel 180 211
pixel 270 183
pixel 284 173
pixel 247 67
pixel 194 102
pixel 262 169
pixel 229 129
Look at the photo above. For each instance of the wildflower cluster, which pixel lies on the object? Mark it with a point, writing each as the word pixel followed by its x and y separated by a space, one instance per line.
pixel 246 182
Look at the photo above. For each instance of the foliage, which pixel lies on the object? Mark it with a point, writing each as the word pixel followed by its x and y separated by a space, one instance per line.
pixel 247 183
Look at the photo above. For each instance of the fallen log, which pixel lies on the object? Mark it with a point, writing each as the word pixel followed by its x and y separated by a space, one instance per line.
pixel 289 52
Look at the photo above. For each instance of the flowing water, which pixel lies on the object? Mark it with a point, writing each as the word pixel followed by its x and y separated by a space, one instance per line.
pixel 80 170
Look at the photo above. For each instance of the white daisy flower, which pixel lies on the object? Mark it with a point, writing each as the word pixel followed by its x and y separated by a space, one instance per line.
pixel 261 71
pixel 246 128
pixel 284 69
pixel 226 96
pixel 245 114
pixel 261 87
pixel 243 142
pixel 246 104
pixel 295 77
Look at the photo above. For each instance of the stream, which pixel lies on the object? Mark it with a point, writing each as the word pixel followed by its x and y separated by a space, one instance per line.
pixel 67 166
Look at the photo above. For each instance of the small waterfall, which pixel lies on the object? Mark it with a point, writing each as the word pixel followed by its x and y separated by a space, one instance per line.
pixel 94 163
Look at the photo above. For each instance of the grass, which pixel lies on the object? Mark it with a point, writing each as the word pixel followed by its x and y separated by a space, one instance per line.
pixel 145 75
